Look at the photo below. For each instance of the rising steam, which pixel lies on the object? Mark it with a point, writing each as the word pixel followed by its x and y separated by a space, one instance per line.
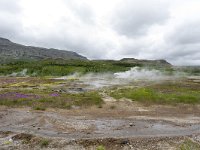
pixel 99 80
pixel 137 73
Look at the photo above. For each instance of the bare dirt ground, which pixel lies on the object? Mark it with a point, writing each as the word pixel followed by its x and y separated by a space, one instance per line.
pixel 117 125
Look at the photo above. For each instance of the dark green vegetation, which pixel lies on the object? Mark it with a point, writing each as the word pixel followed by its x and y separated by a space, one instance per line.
pixel 163 93
pixel 60 67
pixel 64 67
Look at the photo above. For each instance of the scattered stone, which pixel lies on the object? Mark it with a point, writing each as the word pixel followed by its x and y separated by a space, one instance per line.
pixel 124 142
pixel 22 136
pixel 10 140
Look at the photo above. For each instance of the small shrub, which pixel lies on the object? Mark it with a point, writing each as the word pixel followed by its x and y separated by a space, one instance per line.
pixel 100 106
pixel 112 107
pixel 44 143
pixel 68 106
pixel 39 108
pixel 100 147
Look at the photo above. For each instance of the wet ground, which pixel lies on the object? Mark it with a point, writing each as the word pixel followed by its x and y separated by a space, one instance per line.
pixel 124 122
pixel 53 124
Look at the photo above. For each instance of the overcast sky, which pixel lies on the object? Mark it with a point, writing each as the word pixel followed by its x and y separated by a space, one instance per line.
pixel 107 29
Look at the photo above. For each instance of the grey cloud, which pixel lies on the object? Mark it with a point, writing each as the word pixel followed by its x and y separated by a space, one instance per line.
pixel 81 10
pixel 126 34
pixel 85 14
pixel 175 51
pixel 81 44
pixel 134 17
pixel 188 33
pixel 10 6
pixel 184 43
pixel 10 25
pixel 178 54
pixel 7 30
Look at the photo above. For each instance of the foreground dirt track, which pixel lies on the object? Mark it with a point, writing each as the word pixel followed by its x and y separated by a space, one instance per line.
pixel 117 125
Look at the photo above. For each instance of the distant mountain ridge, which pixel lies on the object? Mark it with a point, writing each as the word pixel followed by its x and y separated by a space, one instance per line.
pixel 10 50
pixel 160 62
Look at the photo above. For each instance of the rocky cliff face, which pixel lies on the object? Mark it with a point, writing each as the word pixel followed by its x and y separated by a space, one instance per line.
pixel 10 50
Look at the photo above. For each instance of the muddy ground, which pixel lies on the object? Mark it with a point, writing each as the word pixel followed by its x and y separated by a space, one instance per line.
pixel 116 125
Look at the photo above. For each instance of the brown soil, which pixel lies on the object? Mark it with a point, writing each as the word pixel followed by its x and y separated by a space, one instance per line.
pixel 117 125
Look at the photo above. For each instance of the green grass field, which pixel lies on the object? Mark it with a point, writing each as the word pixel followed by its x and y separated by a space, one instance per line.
pixel 163 93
